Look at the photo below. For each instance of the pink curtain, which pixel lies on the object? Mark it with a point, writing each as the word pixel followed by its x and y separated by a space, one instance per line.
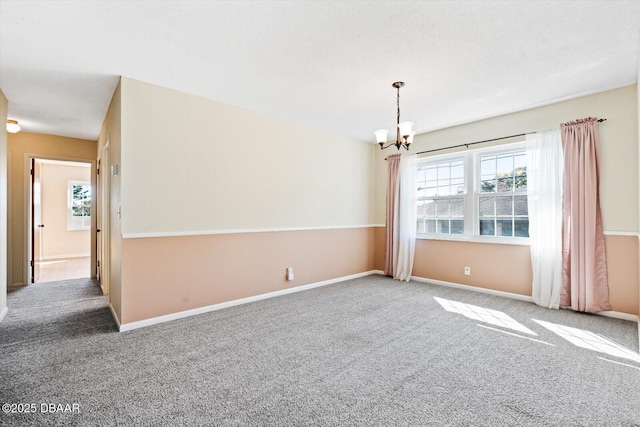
pixel 392 187
pixel 584 262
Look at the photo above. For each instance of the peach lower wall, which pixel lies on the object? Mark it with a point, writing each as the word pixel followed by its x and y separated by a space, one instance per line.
pixel 165 275
pixel 499 267
pixel 507 268
pixel 622 268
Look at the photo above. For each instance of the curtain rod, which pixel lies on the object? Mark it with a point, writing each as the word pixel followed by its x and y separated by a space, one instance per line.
pixel 480 142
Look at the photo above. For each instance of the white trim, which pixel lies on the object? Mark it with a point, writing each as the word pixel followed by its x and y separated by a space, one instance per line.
pixel 115 318
pixel 65 256
pixel 473 289
pixel 609 313
pixel 618 315
pixel 239 231
pixel 201 310
pixel 3 313
pixel 492 240
pixel 621 233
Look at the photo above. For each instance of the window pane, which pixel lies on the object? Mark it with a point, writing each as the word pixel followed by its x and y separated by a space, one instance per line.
pixel 457 207
pixel 488 166
pixel 488 186
pixel 421 208
pixel 443 190
pixel 520 171
pixel 505 164
pixel 444 172
pixel 457 226
pixel 487 207
pixel 431 225
pixel 431 173
pixel 430 208
pixel 505 183
pixel 430 189
pixel 443 208
pixel 520 205
pixel 504 206
pixel 420 226
pixel 443 226
pixel 457 186
pixel 521 227
pixel 487 227
pixel 504 227
pixel 457 170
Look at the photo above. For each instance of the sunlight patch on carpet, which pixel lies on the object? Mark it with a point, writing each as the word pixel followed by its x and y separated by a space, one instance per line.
pixel 493 317
pixel 590 341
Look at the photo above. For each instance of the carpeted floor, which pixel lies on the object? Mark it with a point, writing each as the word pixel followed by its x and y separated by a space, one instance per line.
pixel 367 352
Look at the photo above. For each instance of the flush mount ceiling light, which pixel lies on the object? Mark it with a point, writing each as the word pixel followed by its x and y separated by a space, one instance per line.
pixel 404 132
pixel 13 126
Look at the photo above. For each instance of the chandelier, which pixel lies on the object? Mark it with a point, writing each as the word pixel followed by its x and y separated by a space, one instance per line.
pixel 404 132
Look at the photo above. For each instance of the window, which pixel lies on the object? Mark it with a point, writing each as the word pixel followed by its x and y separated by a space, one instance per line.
pixel 480 193
pixel 441 190
pixel 502 194
pixel 79 206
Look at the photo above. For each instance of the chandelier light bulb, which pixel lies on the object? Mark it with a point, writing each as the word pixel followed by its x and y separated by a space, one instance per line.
pixel 381 135
pixel 405 128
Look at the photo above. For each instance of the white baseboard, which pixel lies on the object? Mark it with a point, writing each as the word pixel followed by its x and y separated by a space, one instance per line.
pixel 618 315
pixel 115 318
pixel 612 314
pixel 473 289
pixel 222 305
pixel 3 313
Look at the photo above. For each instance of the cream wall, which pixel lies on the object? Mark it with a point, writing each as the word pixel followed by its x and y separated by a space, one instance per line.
pixel 21 146
pixel 445 260
pixel 200 165
pixel 3 206
pixel 211 194
pixel 57 240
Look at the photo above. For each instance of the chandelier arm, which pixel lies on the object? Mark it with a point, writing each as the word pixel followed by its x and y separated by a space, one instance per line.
pixel 391 144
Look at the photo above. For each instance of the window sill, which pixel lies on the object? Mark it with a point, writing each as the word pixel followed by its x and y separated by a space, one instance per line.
pixel 518 241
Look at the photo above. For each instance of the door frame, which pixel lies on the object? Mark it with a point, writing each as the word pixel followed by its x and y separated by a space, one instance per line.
pixel 103 218
pixel 27 225
pixel 36 208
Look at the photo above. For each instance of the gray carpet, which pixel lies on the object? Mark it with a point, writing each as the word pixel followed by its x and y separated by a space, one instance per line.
pixel 366 352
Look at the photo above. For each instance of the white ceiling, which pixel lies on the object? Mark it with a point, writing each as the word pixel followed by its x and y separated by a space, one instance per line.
pixel 325 64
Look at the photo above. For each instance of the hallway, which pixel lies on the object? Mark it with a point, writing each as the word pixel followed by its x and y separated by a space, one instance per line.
pixel 64 269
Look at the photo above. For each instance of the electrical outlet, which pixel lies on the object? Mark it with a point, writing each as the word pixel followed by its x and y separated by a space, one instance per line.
pixel 467 271
pixel 290 273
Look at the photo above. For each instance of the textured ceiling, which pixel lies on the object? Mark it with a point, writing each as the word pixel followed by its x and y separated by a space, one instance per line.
pixel 325 64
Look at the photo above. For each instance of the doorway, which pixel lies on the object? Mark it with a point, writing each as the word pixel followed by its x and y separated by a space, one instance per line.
pixel 60 218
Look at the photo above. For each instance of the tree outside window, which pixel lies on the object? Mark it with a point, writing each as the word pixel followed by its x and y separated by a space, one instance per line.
pixel 79 206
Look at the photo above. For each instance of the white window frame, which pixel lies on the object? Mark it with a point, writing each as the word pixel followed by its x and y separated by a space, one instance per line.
pixel 461 196
pixel 471 202
pixel 70 223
